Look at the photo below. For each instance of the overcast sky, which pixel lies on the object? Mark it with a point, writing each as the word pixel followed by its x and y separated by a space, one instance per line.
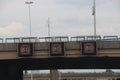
pixel 67 17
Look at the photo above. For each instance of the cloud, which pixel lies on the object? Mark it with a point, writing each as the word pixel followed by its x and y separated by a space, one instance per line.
pixel 108 17
pixel 14 29
pixel 76 3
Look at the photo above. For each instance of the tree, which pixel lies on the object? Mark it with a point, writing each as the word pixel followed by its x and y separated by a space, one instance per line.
pixel 109 71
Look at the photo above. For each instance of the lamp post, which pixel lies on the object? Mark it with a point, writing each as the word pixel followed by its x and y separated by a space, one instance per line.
pixel 29 3
pixel 94 15
pixel 48 27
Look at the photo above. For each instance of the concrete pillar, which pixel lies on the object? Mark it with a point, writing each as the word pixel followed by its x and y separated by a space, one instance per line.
pixel 26 72
pixel 10 72
pixel 54 75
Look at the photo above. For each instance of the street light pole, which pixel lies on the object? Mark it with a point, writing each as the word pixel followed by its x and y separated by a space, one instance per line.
pixel 94 15
pixel 48 27
pixel 29 3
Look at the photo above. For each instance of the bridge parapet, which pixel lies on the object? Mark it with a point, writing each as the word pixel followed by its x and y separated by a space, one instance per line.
pixel 73 45
pixel 59 39
pixel 5 47
pixel 108 44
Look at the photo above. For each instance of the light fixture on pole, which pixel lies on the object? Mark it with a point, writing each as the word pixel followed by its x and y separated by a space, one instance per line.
pixel 29 3
pixel 94 15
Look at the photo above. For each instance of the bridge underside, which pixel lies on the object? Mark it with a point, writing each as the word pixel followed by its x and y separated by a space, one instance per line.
pixel 64 63
pixel 13 68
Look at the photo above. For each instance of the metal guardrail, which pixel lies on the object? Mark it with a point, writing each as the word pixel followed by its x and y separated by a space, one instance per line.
pixel 93 37
pixel 11 40
pixel 78 38
pixel 54 39
pixel 29 39
pixel 45 39
pixel 35 39
pixel 21 39
pixel 57 39
pixel 110 38
pixel 1 40
pixel 82 38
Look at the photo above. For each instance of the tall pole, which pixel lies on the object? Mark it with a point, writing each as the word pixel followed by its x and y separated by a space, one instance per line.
pixel 94 15
pixel 31 75
pixel 60 75
pixel 48 27
pixel 29 3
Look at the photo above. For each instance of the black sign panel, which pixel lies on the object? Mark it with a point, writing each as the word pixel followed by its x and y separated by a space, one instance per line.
pixel 57 49
pixel 25 49
pixel 89 48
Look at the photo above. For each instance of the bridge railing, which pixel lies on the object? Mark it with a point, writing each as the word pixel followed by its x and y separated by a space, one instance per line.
pixel 45 39
pixel 93 37
pixel 78 38
pixel 82 38
pixel 35 39
pixel 29 39
pixel 1 40
pixel 12 40
pixel 54 39
pixel 21 39
pixel 110 38
pixel 57 39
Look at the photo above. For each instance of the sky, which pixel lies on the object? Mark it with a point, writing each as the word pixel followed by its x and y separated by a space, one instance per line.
pixel 67 18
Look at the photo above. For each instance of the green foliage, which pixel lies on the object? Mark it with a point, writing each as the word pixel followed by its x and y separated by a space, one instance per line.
pixel 109 71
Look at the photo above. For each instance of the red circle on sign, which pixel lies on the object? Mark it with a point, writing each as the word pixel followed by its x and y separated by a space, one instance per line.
pixel 25 49
pixel 56 49
pixel 89 48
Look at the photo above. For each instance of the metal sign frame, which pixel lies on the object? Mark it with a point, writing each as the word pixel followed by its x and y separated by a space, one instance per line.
pixel 88 48
pixel 25 50
pixel 56 49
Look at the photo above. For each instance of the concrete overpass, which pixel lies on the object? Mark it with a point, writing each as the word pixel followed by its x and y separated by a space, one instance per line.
pixel 16 56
